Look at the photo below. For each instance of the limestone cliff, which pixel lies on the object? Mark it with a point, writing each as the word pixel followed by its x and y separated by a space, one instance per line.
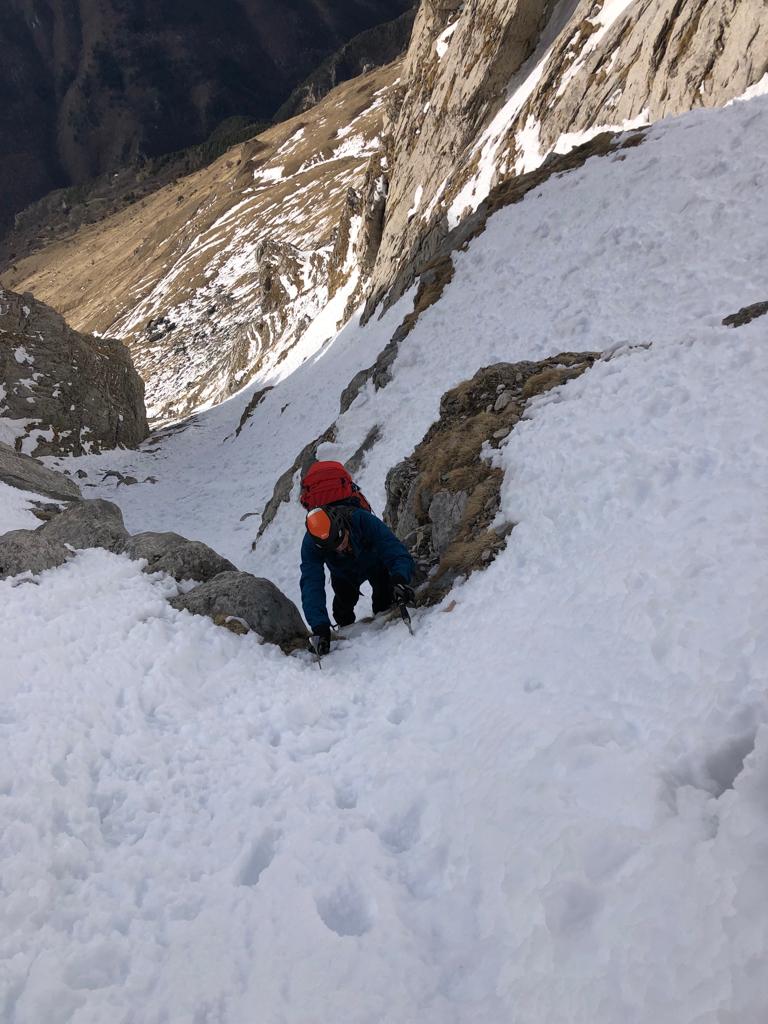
pixel 490 88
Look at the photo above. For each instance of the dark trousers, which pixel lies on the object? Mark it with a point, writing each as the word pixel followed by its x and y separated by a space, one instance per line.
pixel 346 595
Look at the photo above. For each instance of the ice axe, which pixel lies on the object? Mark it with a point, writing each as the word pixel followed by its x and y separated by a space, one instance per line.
pixel 314 645
pixel 405 616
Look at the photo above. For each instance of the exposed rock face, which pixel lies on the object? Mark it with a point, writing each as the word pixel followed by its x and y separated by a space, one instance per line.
pixel 490 87
pixel 181 558
pixel 88 524
pixel 64 392
pixel 214 278
pixel 442 501
pixel 85 524
pixel 256 602
pixel 30 475
pixel 86 87
pixel 29 551
pixel 746 315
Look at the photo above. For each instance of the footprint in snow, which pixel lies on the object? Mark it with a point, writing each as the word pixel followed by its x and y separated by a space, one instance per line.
pixel 259 859
pixel 346 910
pixel 346 796
pixel 399 714
pixel 403 829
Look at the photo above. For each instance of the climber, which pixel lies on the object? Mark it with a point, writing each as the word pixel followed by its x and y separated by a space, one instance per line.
pixel 357 547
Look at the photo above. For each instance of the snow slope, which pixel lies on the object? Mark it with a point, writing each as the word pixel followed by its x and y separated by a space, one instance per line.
pixel 549 805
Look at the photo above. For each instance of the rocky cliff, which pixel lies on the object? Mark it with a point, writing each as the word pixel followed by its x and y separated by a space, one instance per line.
pixel 87 87
pixel 63 392
pixel 490 88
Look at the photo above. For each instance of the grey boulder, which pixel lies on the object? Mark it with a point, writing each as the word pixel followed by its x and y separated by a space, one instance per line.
pixel 181 558
pixel 29 551
pixel 88 524
pixel 241 597
pixel 27 474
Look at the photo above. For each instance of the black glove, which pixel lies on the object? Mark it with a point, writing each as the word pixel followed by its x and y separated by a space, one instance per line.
pixel 321 640
pixel 402 593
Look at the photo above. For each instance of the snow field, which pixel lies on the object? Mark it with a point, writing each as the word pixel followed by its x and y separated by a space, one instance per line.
pixel 548 805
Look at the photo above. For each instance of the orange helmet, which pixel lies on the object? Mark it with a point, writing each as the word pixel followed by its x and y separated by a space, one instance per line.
pixel 326 526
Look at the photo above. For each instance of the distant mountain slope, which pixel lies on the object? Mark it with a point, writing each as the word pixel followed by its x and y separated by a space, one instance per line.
pixel 86 87
pixel 216 276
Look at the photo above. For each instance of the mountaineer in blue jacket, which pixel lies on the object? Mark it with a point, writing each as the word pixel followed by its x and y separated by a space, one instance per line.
pixel 356 546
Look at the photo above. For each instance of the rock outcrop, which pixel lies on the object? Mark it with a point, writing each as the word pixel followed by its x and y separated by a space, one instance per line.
pixel 27 474
pixel 236 600
pixel 181 558
pixel 746 315
pixel 62 392
pixel 29 551
pixel 242 602
pixel 443 500
pixel 83 524
pixel 88 524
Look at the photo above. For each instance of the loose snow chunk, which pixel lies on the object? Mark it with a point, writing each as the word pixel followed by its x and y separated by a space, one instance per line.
pixel 442 41
pixel 22 356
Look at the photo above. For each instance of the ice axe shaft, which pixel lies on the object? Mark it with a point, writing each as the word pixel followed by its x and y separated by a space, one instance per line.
pixel 405 616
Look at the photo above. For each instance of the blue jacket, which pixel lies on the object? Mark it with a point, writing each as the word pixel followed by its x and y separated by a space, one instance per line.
pixel 373 545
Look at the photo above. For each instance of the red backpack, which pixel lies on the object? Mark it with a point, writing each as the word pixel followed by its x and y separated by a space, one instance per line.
pixel 328 482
